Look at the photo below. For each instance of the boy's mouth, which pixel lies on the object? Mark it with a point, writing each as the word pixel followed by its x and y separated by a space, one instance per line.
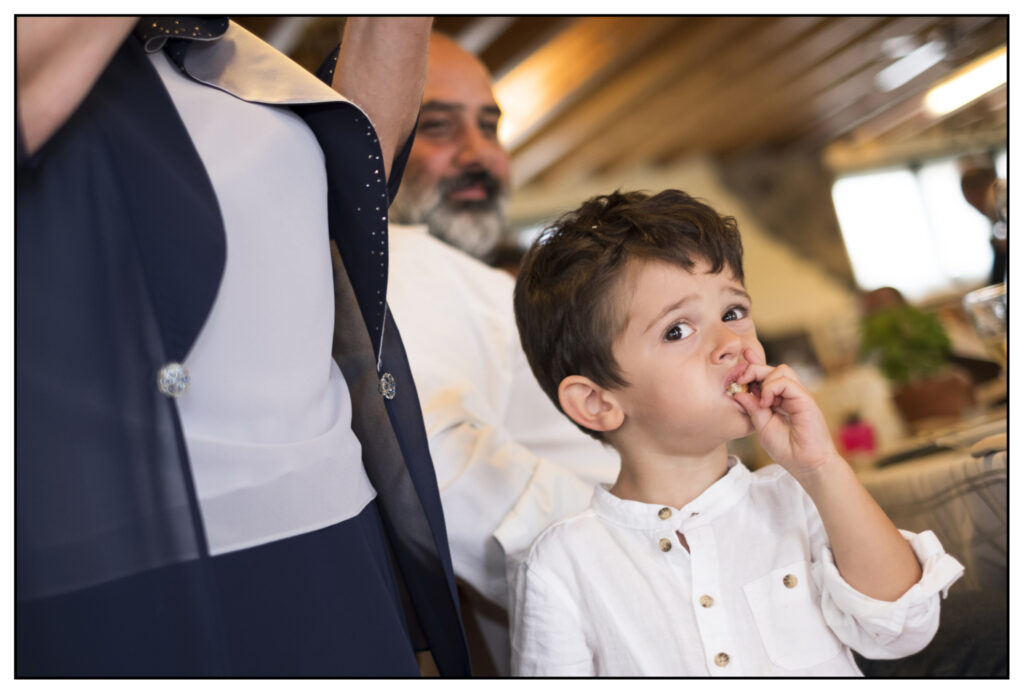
pixel 735 387
pixel 753 388
pixel 730 384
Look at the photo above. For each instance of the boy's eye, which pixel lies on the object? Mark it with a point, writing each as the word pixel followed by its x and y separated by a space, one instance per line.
pixel 735 313
pixel 678 332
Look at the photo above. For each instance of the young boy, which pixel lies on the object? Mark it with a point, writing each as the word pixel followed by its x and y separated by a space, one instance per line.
pixel 633 314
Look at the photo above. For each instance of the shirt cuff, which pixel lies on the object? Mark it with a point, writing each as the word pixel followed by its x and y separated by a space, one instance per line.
pixel 938 572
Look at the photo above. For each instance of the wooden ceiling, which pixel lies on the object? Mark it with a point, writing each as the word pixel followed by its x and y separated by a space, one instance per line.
pixel 587 95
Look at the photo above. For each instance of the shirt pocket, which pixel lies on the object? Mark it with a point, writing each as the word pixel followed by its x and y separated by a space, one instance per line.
pixel 787 610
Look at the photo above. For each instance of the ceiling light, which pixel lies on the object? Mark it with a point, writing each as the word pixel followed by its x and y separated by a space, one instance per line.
pixel 898 46
pixel 967 84
pixel 910 65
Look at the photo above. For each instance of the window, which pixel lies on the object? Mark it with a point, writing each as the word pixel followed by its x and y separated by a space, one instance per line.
pixel 913 230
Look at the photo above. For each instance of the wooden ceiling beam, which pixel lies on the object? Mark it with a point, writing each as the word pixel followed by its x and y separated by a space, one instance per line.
pixel 986 114
pixel 683 118
pixel 520 40
pixel 856 104
pixel 575 62
pixel 778 88
pixel 740 77
pixel 863 62
pixel 640 82
pixel 938 141
pixel 692 111
pixel 632 121
pixel 479 34
pixel 846 75
pixel 452 24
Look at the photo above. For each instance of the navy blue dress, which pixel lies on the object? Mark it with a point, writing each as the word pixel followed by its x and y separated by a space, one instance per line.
pixel 118 255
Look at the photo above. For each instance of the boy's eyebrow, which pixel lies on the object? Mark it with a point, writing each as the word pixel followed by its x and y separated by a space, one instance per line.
pixel 672 307
pixel 669 309
pixel 739 292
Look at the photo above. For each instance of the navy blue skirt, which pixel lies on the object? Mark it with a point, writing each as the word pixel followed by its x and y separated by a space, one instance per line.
pixel 322 604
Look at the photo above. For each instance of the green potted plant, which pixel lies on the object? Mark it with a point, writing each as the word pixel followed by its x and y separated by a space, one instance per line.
pixel 912 350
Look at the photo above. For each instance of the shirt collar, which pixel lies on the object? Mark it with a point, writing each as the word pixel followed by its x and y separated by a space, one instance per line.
pixel 222 54
pixel 713 502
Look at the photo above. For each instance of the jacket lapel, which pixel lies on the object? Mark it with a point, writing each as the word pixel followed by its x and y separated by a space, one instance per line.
pixel 264 76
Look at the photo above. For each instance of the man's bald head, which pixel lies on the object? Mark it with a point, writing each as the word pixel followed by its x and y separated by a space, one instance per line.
pixel 457 173
pixel 447 60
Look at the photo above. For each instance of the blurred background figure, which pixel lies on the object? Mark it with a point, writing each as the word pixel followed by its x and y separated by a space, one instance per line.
pixel 987 193
pixel 458 172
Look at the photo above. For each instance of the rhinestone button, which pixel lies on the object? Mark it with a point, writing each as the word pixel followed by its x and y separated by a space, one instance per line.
pixel 386 386
pixel 665 544
pixel 706 601
pixel 789 580
pixel 665 513
pixel 173 379
pixel 722 659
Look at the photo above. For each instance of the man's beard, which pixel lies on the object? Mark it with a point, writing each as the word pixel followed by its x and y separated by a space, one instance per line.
pixel 474 226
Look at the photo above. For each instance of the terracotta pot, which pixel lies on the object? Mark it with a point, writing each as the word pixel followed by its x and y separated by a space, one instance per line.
pixel 949 394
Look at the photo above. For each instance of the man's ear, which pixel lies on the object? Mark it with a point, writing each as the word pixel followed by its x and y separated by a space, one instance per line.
pixel 589 405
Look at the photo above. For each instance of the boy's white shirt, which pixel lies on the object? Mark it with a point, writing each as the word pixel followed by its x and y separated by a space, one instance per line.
pixel 757 594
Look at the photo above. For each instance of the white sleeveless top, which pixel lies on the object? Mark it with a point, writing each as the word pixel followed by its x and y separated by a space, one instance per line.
pixel 267 416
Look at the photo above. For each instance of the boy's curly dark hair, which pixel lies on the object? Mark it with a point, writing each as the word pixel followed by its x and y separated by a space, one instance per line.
pixel 566 293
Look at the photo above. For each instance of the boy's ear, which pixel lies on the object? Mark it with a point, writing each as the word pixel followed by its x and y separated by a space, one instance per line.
pixel 589 405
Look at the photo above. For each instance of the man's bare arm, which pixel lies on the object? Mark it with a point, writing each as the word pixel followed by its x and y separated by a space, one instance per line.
pixel 59 59
pixel 382 67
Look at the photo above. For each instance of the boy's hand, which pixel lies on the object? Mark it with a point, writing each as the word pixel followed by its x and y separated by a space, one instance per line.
pixel 788 422
pixel 871 554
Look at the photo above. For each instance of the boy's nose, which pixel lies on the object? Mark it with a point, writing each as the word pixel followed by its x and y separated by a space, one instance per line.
pixel 727 345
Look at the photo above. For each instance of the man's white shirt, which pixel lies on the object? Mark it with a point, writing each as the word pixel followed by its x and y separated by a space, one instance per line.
pixel 508 463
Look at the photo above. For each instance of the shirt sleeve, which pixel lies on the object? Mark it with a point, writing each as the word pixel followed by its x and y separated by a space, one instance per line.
pixel 880 629
pixel 547 636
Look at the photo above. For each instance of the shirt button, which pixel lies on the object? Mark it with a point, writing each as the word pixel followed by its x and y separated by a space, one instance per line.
pixel 789 580
pixel 665 544
pixel 706 601
pixel 665 513
pixel 722 659
pixel 173 379
pixel 386 387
